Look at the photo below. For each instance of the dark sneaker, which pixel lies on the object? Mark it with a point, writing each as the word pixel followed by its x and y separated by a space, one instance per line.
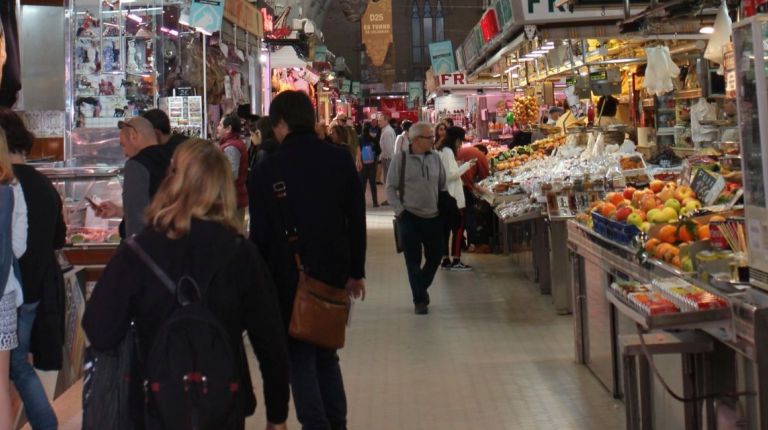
pixel 460 267
pixel 421 309
pixel 446 264
pixel 427 299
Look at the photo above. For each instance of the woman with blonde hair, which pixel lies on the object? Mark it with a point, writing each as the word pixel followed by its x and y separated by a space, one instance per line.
pixel 13 244
pixel 192 231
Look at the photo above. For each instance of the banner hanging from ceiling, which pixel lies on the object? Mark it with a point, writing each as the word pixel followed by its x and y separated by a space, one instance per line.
pixel 441 56
pixel 377 37
pixel 206 15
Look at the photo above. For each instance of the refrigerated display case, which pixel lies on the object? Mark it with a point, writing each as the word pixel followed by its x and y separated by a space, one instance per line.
pixel 751 51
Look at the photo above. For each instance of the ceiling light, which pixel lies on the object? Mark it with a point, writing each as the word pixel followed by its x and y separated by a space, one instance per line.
pixel 539 51
pixel 707 29
pixel 136 18
pixel 515 75
pixel 497 75
pixel 534 54
pixel 263 58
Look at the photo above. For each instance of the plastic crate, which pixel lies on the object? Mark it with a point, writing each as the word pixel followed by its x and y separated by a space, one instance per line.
pixel 614 230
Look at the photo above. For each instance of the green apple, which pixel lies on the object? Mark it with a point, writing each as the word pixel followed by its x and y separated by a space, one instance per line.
pixel 693 205
pixel 635 219
pixel 674 204
pixel 652 214
pixel 645 227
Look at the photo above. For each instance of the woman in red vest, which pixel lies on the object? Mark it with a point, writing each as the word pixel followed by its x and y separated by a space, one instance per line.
pixel 230 142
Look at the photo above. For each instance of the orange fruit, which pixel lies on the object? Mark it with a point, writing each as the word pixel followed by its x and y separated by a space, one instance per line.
pixel 702 232
pixel 651 245
pixel 685 234
pixel 676 261
pixel 661 250
pixel 671 253
pixel 668 234
pixel 717 218
pixel 607 209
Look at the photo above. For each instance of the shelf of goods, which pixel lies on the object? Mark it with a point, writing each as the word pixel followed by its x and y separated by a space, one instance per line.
pixel 614 291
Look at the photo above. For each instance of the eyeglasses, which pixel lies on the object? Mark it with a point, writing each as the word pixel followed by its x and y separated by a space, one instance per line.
pixel 426 137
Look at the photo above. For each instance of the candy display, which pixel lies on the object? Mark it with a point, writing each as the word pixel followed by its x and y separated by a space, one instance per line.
pixel 526 110
pixel 652 303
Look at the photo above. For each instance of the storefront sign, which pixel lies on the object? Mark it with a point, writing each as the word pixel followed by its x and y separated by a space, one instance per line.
pixel 545 12
pixel 449 80
pixel 206 15
pixel 377 30
pixel 504 13
pixel 441 54
pixel 489 26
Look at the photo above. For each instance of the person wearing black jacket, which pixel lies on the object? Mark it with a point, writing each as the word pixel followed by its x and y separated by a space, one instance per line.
pixel 167 139
pixel 192 231
pixel 41 317
pixel 325 200
pixel 369 154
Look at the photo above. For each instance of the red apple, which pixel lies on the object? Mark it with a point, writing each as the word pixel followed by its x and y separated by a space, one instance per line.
pixel 614 198
pixel 647 203
pixel 629 192
pixel 656 185
pixel 623 212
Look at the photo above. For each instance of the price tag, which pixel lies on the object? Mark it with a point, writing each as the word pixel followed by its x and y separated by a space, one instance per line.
pixel 707 186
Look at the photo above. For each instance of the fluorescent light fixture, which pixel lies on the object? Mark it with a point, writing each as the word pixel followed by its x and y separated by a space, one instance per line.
pixel 263 58
pixel 515 75
pixel 136 18
pixel 326 88
pixel 534 54
pixel 497 75
pixel 203 31
pixel 707 29
pixel 547 47
pixel 550 43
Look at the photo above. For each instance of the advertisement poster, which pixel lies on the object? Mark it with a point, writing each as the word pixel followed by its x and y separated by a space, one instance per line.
pixel 206 15
pixel 378 39
pixel 441 54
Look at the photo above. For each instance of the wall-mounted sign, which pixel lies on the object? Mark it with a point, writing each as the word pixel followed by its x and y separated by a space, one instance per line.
pixel 415 94
pixel 441 56
pixel 545 12
pixel 206 15
pixel 452 80
pixel 504 13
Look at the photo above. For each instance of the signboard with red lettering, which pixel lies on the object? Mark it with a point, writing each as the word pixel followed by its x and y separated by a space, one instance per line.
pixel 489 25
pixel 452 80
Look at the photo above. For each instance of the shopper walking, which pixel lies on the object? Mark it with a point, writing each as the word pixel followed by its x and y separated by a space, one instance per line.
pixel 145 169
pixel 417 210
pixel 369 150
pixel 325 203
pixel 13 244
pixel 440 130
pixel 266 146
pixel 228 133
pixel 353 139
pixel 402 142
pixel 194 232
pixel 387 142
pixel 454 221
pixel 41 317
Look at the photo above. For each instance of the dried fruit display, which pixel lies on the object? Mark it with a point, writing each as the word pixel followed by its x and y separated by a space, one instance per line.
pixel 526 110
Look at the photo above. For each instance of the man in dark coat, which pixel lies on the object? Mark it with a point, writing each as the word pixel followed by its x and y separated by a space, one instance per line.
pixel 325 201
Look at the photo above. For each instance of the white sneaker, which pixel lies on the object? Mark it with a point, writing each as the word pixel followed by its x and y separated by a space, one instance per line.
pixel 460 267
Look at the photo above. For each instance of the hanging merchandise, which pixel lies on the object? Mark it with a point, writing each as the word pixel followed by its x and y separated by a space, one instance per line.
pixel 702 111
pixel 721 36
pixel 2 52
pixel 660 71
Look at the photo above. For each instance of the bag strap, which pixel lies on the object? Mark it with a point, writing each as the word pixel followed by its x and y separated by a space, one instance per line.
pixel 160 273
pixel 280 189
pixel 401 185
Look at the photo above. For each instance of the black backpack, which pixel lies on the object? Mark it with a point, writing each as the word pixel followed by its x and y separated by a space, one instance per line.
pixel 191 372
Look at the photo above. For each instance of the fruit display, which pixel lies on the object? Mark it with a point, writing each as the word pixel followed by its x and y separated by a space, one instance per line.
pixel 519 209
pixel 517 157
pixel 549 144
pixel 86 235
pixel 652 303
pixel 526 110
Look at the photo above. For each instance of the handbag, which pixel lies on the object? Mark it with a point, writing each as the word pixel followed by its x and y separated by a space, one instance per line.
pixel 401 192
pixel 320 311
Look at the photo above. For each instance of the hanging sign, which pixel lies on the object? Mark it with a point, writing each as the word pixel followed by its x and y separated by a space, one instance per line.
pixel 545 12
pixel 206 15
pixel 441 55
pixel 504 13
pixel 415 94
pixel 377 30
pixel 489 26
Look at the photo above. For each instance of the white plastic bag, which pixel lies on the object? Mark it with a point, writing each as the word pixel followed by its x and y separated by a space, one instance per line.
pixel 720 37
pixel 660 71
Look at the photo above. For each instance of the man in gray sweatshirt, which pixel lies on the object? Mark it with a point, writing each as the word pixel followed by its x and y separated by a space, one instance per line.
pixel 417 210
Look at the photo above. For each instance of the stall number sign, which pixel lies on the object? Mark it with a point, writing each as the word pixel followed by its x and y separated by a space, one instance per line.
pixel 707 186
pixel 206 15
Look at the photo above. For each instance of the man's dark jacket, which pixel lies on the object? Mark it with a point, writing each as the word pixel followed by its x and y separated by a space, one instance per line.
pixel 326 201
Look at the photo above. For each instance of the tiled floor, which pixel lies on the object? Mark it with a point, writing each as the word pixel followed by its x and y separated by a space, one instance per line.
pixel 492 353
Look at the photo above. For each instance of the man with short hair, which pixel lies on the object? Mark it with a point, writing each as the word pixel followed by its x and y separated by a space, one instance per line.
pixel 325 203
pixel 387 143
pixel 162 125
pixel 144 171
pixel 554 115
pixel 417 210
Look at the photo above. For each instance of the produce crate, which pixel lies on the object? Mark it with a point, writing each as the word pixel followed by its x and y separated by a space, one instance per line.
pixel 614 230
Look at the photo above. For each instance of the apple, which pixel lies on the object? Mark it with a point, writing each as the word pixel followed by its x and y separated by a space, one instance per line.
pixel 629 192
pixel 674 204
pixel 624 203
pixel 639 194
pixel 687 264
pixel 642 214
pixel 668 192
pixel 693 205
pixel 645 227
pixel 647 203
pixel 684 192
pixel 666 215
pixel 656 185
pixel 623 212
pixel 635 219
pixel 614 198
pixel 652 214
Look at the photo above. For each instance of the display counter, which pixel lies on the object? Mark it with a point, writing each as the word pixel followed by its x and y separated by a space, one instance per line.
pixel 737 364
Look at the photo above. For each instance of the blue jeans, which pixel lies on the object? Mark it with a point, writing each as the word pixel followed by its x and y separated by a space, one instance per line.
pixel 36 405
pixel 317 386
pixel 421 237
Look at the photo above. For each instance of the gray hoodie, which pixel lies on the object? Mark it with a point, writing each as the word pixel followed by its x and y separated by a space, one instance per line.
pixel 424 178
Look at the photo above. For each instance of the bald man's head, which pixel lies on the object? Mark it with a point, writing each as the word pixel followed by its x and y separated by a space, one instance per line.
pixel 136 134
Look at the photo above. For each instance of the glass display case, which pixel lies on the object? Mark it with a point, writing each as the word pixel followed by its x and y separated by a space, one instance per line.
pixel 751 51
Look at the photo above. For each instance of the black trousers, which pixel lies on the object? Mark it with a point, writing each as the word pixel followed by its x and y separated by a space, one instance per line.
pixel 368 174
pixel 422 241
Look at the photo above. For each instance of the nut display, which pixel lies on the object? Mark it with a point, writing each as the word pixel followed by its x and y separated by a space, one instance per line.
pixel 526 110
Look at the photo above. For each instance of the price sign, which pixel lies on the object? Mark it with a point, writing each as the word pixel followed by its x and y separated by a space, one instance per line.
pixel 602 75
pixel 707 186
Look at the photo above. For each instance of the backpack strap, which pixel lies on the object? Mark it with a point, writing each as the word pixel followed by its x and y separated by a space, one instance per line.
pixel 160 273
pixel 280 189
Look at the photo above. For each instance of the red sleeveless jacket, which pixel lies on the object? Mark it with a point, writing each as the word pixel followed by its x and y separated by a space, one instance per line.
pixel 233 139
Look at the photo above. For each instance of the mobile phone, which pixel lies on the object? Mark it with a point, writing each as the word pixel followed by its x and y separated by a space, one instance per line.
pixel 92 203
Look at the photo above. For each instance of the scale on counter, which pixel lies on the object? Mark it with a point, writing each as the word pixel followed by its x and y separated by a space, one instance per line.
pixel 581 86
pixel 605 82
